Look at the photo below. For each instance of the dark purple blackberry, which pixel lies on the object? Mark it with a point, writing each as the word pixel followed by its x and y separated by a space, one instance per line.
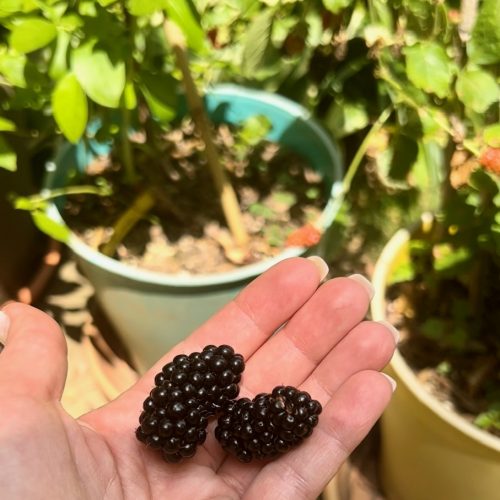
pixel 268 425
pixel 187 391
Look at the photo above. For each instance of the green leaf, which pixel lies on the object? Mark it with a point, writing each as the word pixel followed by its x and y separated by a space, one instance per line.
pixel 489 419
pixel 54 229
pixel 477 89
pixel 70 22
pixel 260 210
pixel 484 45
pixel 69 106
pixel 32 34
pixel 145 7
pixel 160 92
pixel 6 125
pixel 12 68
pixel 429 68
pixel 256 42
pixel 345 118
pixel 335 6
pixel 8 159
pixel 183 13
pixel 254 129
pixel 102 80
pixel 9 7
pixel 448 259
pixel 491 135
pixel 129 97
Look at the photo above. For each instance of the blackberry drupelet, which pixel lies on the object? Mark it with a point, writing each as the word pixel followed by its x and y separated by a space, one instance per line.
pixel 187 391
pixel 268 425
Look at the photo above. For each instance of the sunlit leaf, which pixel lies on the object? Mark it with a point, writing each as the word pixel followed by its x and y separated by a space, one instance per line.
pixel 69 105
pixel 477 89
pixel 32 34
pixel 145 7
pixel 335 6
pixel 484 46
pixel 101 79
pixel 8 159
pixel 160 92
pixel 54 229
pixel 429 67
pixel 344 118
pixel 12 67
pixel 491 135
pixel 256 42
pixel 6 125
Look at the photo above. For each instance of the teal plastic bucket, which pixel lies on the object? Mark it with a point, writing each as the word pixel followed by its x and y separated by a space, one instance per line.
pixel 154 311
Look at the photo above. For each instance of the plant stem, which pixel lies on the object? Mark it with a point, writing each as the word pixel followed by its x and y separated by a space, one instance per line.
pixel 39 199
pixel 360 153
pixel 126 146
pixel 139 208
pixel 225 191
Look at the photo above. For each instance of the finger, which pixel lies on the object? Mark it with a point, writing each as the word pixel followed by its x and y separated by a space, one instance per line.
pixel 346 420
pixel 254 315
pixel 33 361
pixel 337 307
pixel 369 346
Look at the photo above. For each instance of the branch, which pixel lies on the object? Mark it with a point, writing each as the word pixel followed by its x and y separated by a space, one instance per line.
pixel 225 191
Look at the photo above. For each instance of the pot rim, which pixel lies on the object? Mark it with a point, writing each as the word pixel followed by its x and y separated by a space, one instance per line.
pixel 378 309
pixel 247 271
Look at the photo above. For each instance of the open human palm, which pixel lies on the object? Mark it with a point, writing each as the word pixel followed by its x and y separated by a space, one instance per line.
pixel 324 347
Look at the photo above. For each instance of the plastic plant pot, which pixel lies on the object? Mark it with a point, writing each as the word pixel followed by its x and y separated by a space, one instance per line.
pixel 154 311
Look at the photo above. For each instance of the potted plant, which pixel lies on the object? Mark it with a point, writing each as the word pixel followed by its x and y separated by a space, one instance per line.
pixel 438 281
pixel 112 80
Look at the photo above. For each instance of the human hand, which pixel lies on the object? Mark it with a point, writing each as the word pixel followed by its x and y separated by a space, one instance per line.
pixel 325 349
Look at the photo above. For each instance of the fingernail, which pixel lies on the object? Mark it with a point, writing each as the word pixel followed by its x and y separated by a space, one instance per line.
pixel 392 329
pixel 391 381
pixel 321 265
pixel 4 326
pixel 365 283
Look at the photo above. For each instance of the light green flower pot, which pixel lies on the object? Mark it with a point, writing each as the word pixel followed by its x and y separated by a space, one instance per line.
pixel 154 311
pixel 428 452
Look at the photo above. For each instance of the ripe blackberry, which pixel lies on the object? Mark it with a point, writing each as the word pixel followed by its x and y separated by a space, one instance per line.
pixel 187 391
pixel 269 424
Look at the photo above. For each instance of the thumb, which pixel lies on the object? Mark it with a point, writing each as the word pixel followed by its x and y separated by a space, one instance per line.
pixel 33 361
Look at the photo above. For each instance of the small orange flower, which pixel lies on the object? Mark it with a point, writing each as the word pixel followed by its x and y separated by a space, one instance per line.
pixel 305 236
pixel 490 160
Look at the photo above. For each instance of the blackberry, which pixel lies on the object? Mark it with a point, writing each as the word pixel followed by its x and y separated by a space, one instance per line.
pixel 187 392
pixel 268 425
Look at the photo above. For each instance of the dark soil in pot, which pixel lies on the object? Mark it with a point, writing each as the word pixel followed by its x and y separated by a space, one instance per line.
pixel 280 196
pixel 453 349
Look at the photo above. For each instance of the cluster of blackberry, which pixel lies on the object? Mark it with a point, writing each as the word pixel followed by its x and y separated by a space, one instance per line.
pixel 194 387
pixel 269 424
pixel 187 391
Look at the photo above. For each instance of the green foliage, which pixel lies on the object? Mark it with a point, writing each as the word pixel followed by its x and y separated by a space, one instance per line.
pixel 429 68
pixel 477 89
pixel 484 47
pixel 31 34
pixel 101 79
pixel 69 106
pixel 8 159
